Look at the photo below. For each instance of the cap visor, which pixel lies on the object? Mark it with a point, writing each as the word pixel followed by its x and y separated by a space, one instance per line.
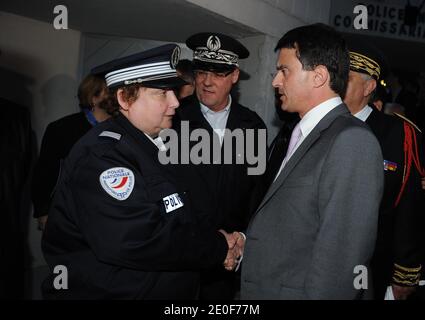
pixel 209 66
pixel 168 83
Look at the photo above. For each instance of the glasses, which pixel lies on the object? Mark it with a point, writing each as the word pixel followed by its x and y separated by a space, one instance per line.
pixel 215 75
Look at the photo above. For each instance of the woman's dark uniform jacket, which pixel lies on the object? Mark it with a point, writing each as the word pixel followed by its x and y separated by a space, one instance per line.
pixel 400 242
pixel 59 138
pixel 130 249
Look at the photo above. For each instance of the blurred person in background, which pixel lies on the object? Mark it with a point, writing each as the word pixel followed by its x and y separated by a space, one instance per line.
pixel 60 136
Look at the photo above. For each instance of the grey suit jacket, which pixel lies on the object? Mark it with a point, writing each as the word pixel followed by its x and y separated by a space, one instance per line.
pixel 318 220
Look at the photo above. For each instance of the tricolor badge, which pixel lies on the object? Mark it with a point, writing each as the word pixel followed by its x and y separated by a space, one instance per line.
pixel 117 182
pixel 390 166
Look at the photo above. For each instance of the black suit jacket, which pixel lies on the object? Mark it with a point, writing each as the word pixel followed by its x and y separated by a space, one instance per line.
pixel 59 137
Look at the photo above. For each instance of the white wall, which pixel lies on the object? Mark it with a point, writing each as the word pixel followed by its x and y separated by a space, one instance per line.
pixel 257 92
pixel 38 69
pixel 97 49
pixel 271 17
pixel 47 60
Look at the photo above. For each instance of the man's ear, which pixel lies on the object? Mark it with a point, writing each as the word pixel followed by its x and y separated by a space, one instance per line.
pixel 369 87
pixel 320 76
pixel 122 102
pixel 235 76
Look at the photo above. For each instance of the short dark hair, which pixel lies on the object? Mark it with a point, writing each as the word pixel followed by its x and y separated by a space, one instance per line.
pixel 319 44
pixel 91 86
pixel 110 103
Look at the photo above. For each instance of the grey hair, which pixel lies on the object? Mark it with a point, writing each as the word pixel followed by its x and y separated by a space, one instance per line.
pixel 366 76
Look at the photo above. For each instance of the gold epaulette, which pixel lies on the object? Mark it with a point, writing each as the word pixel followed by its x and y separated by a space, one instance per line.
pixel 406 276
pixel 407 120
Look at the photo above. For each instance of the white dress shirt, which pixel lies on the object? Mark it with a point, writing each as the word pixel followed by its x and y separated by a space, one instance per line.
pixel 309 122
pixel 217 120
pixel 157 142
pixel 364 113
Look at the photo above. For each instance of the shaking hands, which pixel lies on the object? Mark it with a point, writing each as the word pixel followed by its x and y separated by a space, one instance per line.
pixel 236 243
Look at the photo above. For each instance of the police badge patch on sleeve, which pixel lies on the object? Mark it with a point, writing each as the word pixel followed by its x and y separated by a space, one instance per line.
pixel 117 182
pixel 172 202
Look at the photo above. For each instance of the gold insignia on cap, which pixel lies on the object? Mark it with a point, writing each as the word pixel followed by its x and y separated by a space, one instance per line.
pixel 406 276
pixel 365 64
pixel 214 43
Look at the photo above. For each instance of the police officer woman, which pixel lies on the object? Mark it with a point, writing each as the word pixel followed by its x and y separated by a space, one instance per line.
pixel 121 225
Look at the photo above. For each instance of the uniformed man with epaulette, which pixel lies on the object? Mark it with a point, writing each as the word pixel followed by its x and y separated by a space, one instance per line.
pixel 121 225
pixel 399 249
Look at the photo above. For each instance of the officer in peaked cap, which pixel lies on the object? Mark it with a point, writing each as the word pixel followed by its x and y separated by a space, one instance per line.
pixel 216 52
pixel 122 224
pixel 154 68
pixel 366 59
pixel 212 108
pixel 398 254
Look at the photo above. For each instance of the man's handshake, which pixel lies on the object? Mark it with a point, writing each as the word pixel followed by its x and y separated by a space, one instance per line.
pixel 236 243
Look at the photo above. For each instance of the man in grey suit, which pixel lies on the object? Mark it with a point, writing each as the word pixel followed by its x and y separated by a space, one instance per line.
pixel 313 235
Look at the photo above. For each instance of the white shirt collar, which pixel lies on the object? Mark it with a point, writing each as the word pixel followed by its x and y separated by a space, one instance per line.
pixel 313 117
pixel 364 113
pixel 308 122
pixel 157 142
pixel 205 109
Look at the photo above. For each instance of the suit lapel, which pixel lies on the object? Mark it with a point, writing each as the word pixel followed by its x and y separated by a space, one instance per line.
pixel 296 157
pixel 237 119
pixel 302 149
pixel 276 153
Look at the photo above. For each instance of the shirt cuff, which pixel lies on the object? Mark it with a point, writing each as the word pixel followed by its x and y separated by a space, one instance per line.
pixel 241 257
